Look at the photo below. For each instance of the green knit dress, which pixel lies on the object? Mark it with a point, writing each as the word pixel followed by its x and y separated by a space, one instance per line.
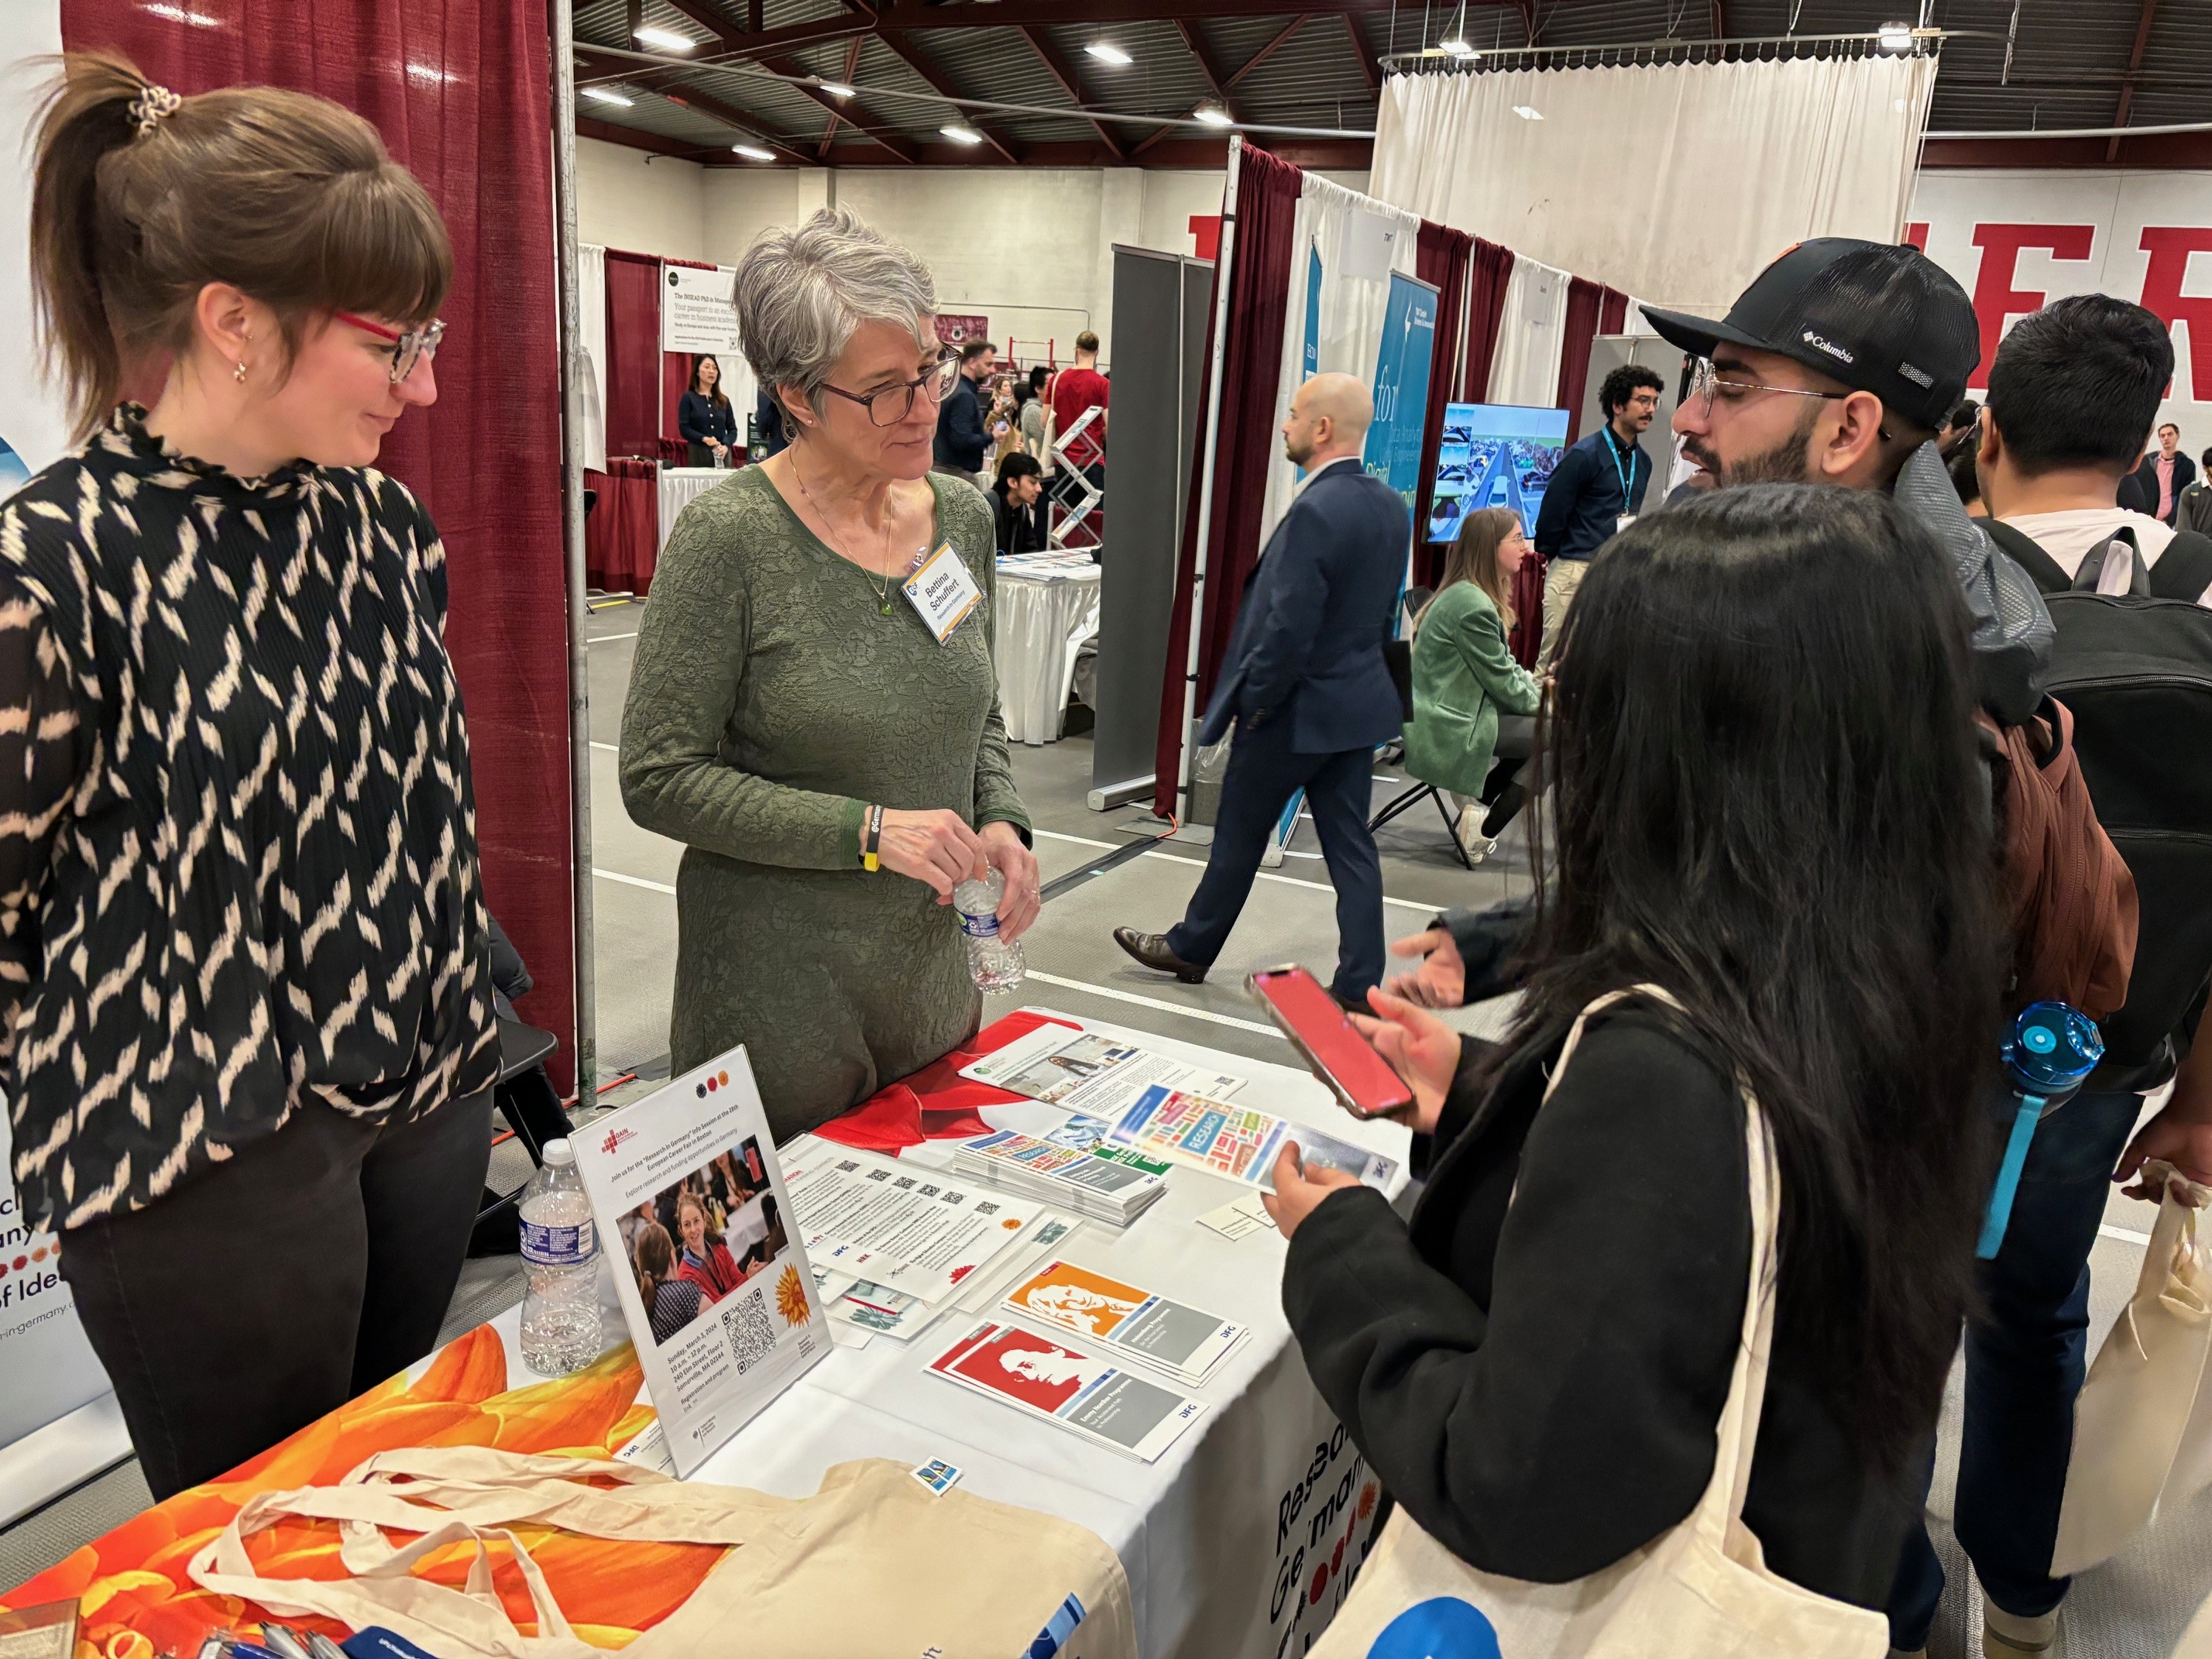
pixel 772 698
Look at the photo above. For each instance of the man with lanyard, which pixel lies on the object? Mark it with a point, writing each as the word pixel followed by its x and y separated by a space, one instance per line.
pixel 1594 493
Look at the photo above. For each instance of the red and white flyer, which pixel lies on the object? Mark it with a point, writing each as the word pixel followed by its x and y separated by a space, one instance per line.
pixel 1045 1376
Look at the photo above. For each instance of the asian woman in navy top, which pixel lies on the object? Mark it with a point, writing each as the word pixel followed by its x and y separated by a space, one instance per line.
pixel 704 418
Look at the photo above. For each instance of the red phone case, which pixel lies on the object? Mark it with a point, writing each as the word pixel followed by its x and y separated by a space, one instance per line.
pixel 1335 1052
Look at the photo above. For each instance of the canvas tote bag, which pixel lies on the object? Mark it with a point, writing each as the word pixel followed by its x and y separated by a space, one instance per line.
pixel 2143 1426
pixel 873 1567
pixel 1701 1591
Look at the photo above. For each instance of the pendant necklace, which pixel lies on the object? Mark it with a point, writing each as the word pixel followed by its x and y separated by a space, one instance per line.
pixel 883 586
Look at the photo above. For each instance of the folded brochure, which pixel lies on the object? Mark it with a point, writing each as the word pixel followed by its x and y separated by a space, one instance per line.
pixel 909 1229
pixel 1089 1072
pixel 1236 1142
pixel 1174 1336
pixel 1046 1377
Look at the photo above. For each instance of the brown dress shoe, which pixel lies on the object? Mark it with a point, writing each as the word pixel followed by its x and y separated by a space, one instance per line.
pixel 1152 949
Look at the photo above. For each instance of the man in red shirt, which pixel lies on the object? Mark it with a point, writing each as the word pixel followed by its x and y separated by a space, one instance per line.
pixel 1077 389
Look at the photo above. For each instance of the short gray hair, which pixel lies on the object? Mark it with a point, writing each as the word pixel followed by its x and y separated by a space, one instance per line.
pixel 802 291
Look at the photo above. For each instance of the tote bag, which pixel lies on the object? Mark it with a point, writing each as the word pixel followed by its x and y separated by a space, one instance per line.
pixel 2143 1426
pixel 873 1567
pixel 1700 1591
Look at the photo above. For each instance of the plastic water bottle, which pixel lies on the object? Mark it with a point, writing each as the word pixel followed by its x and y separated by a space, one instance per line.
pixel 561 1250
pixel 996 964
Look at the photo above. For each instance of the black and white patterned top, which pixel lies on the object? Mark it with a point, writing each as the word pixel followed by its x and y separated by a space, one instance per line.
pixel 238 856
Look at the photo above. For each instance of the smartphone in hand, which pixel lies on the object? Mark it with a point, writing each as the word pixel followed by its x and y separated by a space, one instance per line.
pixel 1364 1083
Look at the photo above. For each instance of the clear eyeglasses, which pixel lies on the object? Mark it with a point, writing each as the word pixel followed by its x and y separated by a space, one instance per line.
pixel 895 403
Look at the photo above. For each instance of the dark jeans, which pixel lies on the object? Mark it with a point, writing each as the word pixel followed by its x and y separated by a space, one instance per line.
pixel 2025 1361
pixel 277 1286
pixel 1264 772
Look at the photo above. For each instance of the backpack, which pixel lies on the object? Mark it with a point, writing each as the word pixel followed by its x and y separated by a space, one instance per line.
pixel 2135 671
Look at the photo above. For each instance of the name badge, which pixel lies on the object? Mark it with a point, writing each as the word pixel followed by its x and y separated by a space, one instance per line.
pixel 1623 522
pixel 942 591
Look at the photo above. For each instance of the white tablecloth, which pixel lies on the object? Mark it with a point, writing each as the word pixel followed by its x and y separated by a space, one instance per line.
pixel 1239 1541
pixel 1042 619
pixel 679 486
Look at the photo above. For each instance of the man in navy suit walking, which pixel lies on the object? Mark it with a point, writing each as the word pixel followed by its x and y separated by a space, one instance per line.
pixel 1309 692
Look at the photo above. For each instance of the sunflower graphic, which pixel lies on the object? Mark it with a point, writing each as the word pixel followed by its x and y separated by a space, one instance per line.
pixel 791 1298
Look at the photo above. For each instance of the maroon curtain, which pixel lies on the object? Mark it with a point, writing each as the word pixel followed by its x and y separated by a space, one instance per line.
pixel 1488 268
pixel 1612 312
pixel 1440 256
pixel 1244 445
pixel 1584 301
pixel 634 354
pixel 622 532
pixel 460 93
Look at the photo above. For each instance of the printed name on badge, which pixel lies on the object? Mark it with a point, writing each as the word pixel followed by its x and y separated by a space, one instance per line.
pixel 943 591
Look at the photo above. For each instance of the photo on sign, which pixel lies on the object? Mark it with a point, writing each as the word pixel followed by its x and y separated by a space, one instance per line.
pixel 701 1240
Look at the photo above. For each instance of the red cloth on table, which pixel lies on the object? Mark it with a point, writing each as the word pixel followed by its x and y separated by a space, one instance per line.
pixel 936 1102
pixel 622 530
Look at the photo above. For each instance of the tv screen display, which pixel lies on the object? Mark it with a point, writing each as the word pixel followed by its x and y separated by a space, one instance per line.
pixel 1494 455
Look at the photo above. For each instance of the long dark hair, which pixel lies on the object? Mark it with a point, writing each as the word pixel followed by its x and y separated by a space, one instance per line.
pixel 289 197
pixel 717 395
pixel 1770 801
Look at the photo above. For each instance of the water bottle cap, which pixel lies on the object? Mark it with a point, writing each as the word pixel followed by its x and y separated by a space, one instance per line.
pixel 2050 1048
pixel 558 1153
pixel 2040 1039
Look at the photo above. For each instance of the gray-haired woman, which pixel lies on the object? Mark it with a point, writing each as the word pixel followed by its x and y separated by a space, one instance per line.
pixel 820 730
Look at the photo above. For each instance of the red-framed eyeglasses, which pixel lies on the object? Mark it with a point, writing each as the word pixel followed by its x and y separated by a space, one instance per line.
pixel 409 346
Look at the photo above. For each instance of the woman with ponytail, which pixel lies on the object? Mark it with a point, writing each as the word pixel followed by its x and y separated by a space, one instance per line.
pixel 248 1036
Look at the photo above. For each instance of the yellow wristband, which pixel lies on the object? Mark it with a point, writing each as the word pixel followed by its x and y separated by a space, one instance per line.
pixel 871 863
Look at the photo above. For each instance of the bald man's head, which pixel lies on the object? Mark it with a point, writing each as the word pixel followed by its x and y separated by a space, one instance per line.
pixel 1328 418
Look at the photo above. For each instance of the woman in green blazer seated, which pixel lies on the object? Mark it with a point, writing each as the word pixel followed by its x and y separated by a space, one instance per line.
pixel 1470 701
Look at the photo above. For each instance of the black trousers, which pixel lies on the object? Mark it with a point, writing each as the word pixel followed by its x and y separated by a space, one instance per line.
pixel 1264 772
pixel 277 1286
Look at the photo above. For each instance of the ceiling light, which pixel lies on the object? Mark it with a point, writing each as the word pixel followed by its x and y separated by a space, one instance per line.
pixel 1528 114
pixel 1894 37
pixel 666 39
pixel 1456 47
pixel 1213 116
pixel 960 135
pixel 601 96
pixel 833 89
pixel 1107 52
pixel 754 152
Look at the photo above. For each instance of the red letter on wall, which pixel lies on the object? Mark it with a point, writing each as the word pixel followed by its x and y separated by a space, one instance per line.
pixel 1995 297
pixel 2169 247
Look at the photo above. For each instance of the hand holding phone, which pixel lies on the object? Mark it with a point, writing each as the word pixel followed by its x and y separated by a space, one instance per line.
pixel 1362 1080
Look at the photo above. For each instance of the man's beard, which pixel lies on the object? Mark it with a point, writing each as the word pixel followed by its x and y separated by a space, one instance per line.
pixel 1784 463
pixel 1296 454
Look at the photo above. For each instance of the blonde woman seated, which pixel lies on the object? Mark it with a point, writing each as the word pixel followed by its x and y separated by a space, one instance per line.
pixel 1472 701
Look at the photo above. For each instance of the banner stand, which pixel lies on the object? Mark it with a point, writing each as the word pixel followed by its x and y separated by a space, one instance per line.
pixel 51 1462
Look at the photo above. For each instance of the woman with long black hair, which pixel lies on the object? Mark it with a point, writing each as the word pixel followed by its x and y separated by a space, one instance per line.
pixel 704 418
pixel 1770 805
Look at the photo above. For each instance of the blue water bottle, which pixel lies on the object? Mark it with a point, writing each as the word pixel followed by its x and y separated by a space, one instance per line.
pixel 2051 1051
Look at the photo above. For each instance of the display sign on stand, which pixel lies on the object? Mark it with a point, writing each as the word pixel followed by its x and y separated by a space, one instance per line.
pixel 692 1210
pixel 697 312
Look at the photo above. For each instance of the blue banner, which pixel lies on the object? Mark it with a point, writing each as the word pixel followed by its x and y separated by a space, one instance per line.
pixel 1401 386
pixel 1313 316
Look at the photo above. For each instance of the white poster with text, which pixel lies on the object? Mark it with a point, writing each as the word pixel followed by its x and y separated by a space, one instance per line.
pixel 712 1278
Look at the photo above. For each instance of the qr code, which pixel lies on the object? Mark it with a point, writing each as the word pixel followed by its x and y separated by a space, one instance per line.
pixel 752 1334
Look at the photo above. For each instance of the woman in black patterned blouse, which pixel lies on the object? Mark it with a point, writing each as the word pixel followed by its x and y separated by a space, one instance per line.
pixel 245 1022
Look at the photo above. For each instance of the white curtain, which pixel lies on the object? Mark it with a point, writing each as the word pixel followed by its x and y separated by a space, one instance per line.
pixel 591 392
pixel 1681 181
pixel 1525 368
pixel 1361 241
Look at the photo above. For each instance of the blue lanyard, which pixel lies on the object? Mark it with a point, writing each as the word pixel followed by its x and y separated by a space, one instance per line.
pixel 1627 479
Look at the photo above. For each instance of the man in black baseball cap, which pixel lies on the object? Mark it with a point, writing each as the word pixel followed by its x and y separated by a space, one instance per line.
pixel 1839 365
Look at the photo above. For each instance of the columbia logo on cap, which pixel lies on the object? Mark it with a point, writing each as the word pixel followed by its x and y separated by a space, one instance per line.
pixel 1828 346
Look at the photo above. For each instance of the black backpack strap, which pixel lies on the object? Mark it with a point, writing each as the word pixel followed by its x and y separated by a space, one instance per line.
pixel 2042 570
pixel 2183 571
pixel 2090 578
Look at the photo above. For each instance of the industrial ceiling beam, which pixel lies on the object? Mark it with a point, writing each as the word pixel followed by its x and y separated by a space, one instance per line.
pixel 1362 53
pixel 1209 65
pixel 943 87
pixel 1014 13
pixel 2128 88
pixel 1281 38
pixel 734 47
pixel 1063 72
pixel 713 109
pixel 844 110
pixel 852 67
